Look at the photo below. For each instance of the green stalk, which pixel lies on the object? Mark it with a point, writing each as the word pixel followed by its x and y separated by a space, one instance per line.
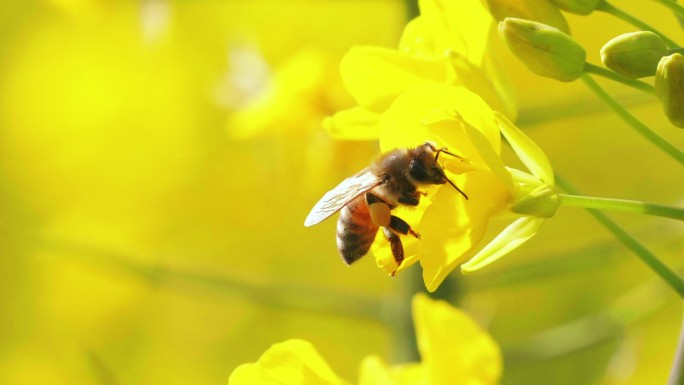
pixel 646 256
pixel 633 122
pixel 620 14
pixel 674 7
pixel 637 84
pixel 622 205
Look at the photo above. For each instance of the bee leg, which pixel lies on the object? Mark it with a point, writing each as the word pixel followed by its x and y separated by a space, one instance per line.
pixel 410 200
pixel 395 246
pixel 400 226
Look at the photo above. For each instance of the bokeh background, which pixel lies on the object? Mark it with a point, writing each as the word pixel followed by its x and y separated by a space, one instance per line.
pixel 158 158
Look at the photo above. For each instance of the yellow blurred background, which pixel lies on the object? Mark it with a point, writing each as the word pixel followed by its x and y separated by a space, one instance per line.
pixel 158 158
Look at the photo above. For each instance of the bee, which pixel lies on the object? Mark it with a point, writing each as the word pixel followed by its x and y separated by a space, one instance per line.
pixel 365 200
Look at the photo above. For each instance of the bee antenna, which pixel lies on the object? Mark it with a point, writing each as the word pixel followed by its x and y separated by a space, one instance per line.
pixel 456 187
pixel 444 150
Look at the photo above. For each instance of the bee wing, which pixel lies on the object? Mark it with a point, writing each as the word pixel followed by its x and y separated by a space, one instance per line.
pixel 344 193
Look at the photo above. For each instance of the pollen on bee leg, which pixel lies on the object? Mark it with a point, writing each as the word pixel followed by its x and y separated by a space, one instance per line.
pixel 380 213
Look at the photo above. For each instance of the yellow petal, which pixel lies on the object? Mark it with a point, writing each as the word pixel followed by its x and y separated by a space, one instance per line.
pixel 489 156
pixel 374 76
pixel 452 227
pixel 293 362
pixel 460 30
pixel 417 39
pixel 374 371
pixel 454 349
pixel 459 26
pixel 529 153
pixel 508 240
pixel 489 80
pixel 355 123
pixel 404 123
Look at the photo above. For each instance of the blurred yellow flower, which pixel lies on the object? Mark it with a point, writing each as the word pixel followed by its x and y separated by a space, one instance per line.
pixel 287 363
pixel 294 100
pixel 451 226
pixel 454 349
pixel 446 44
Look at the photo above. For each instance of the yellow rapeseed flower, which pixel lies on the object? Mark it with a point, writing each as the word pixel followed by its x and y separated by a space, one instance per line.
pixel 452 227
pixel 453 348
pixel 294 99
pixel 446 44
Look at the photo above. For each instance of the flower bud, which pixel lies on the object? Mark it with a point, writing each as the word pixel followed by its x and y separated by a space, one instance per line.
pixel 635 54
pixel 580 7
pixel 545 50
pixel 541 202
pixel 669 87
pixel 542 11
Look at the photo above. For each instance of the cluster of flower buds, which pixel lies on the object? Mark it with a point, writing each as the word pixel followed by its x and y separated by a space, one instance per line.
pixel 641 54
pixel 550 52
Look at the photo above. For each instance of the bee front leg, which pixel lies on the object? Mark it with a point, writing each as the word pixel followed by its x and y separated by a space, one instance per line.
pixel 395 246
pixel 413 199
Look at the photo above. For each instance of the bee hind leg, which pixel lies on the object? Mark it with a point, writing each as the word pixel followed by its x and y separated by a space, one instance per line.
pixel 395 246
pixel 399 225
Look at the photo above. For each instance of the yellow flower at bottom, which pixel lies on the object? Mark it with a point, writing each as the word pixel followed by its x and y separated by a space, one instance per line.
pixel 293 362
pixel 454 350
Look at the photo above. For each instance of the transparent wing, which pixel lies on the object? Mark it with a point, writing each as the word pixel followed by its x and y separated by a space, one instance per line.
pixel 344 193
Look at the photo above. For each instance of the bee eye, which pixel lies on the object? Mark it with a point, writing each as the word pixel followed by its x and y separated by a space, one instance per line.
pixel 417 171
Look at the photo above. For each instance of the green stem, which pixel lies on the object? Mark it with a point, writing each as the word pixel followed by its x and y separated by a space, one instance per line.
pixel 620 14
pixel 646 256
pixel 622 205
pixel 411 9
pixel 635 123
pixel 674 7
pixel 639 85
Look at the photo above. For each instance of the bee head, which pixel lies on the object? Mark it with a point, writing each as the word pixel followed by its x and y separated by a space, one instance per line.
pixel 424 168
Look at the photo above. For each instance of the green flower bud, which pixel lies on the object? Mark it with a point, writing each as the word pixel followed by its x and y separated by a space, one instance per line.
pixel 545 50
pixel 580 7
pixel 542 11
pixel 635 54
pixel 669 87
pixel 542 202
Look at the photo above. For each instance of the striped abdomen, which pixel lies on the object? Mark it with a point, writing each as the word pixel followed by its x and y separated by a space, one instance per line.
pixel 355 230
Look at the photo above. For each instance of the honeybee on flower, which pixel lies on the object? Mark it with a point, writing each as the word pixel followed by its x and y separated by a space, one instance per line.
pixel 451 227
